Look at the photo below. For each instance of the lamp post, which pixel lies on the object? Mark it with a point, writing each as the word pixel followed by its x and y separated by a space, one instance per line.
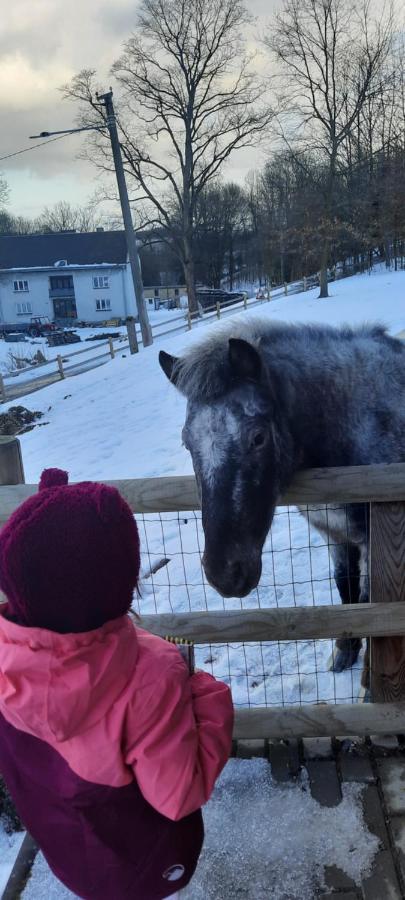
pixel 111 124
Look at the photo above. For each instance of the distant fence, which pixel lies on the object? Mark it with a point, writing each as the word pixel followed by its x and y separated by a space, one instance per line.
pixel 382 620
pixel 15 384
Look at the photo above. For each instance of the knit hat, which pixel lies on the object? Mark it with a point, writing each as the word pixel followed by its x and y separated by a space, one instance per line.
pixel 69 556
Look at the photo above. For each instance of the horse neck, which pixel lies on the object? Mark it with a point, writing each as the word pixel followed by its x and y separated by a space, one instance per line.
pixel 313 415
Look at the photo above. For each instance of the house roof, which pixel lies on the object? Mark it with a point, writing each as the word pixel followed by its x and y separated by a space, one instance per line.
pixel 44 250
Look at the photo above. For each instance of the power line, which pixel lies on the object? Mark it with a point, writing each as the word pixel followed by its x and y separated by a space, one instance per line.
pixel 33 147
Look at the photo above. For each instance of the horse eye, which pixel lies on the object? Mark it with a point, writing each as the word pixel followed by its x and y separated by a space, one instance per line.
pixel 258 439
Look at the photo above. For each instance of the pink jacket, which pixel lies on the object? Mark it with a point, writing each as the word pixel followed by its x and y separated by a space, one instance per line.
pixel 118 708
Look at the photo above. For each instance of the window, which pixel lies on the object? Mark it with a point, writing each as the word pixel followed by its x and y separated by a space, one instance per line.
pixel 176 292
pixel 61 282
pixel 156 292
pixel 101 281
pixel 102 305
pixel 23 309
pixel 21 285
pixel 150 301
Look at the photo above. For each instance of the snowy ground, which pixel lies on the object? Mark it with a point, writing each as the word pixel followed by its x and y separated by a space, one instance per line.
pixel 9 847
pixel 124 420
pixel 28 348
pixel 262 840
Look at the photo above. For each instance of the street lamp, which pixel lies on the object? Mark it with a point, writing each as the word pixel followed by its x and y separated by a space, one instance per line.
pixel 111 124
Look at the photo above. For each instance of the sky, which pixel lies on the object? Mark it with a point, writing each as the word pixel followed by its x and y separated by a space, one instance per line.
pixel 42 45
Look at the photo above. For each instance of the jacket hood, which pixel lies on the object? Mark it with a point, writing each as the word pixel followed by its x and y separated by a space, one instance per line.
pixel 55 685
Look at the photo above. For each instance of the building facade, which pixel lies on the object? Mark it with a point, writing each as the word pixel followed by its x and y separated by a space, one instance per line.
pixel 68 276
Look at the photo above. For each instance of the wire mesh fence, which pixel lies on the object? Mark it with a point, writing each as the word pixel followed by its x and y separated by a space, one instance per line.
pixel 297 571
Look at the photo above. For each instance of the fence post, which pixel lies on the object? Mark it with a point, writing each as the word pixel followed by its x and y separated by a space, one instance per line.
pixel 305 282
pixel 285 288
pixel 60 366
pixel 269 297
pixel 112 352
pixel 245 301
pixel 387 584
pixel 218 310
pixel 189 319
pixel 11 464
pixel 3 394
pixel 132 338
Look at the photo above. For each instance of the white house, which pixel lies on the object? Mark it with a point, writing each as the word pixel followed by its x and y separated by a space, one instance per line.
pixel 67 276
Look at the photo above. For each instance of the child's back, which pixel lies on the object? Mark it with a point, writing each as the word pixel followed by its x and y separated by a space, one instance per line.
pixel 108 746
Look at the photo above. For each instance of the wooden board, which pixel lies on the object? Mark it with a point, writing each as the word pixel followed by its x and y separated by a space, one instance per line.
pixel 350 484
pixel 320 720
pixel 387 587
pixel 291 624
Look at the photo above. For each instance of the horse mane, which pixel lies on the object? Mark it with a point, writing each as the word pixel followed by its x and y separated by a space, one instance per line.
pixel 204 372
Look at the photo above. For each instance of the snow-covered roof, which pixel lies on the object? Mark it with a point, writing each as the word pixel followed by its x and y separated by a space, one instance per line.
pixel 77 248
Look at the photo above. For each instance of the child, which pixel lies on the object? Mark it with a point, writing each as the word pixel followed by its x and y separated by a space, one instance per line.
pixel 108 746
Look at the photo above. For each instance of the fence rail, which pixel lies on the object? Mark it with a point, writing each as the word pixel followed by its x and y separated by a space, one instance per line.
pixel 382 620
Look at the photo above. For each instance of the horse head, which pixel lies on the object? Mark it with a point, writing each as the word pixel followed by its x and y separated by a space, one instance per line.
pixel 231 433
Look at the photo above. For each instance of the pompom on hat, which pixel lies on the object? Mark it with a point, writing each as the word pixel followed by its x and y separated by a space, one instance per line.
pixel 69 556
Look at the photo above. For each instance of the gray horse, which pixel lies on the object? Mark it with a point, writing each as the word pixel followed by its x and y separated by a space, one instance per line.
pixel 265 400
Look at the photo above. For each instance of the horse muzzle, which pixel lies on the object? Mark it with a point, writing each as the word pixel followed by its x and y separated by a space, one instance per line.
pixel 233 577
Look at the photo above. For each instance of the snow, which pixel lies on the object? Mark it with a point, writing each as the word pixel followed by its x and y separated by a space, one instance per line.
pixel 30 346
pixel 9 847
pixel 124 420
pixel 262 840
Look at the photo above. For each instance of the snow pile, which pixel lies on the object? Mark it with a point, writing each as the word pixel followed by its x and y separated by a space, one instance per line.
pixel 262 840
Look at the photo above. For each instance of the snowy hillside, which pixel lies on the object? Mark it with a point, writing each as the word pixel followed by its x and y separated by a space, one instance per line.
pixel 124 420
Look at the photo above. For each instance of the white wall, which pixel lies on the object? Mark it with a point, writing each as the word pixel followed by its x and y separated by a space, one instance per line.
pixel 37 296
pixel 120 293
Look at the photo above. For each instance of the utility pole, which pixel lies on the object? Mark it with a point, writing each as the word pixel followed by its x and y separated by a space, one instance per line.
pixel 107 102
pixel 111 124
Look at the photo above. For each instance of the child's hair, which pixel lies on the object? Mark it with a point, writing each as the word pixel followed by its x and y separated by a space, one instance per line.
pixel 69 556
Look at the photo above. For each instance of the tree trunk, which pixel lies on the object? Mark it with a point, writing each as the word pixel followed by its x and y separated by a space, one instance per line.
pixel 188 266
pixel 323 274
pixel 231 261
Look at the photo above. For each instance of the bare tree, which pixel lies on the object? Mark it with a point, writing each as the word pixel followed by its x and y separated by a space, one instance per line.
pixel 190 100
pixel 4 192
pixel 65 217
pixel 332 55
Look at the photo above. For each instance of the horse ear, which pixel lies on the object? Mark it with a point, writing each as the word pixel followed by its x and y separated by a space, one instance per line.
pixel 170 366
pixel 245 360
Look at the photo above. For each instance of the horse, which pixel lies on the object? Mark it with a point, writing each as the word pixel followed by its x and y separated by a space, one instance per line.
pixel 265 400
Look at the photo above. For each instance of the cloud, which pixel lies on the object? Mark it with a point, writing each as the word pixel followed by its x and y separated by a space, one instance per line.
pixel 43 43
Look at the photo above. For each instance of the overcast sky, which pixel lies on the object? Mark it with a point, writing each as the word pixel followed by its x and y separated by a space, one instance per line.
pixel 43 43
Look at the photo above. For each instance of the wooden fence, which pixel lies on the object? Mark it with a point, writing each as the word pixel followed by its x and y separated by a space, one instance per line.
pixel 382 620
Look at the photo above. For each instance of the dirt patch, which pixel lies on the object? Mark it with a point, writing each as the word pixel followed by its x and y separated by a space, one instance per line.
pixel 18 420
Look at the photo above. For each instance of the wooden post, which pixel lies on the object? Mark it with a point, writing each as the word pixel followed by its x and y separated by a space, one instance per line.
pixel 304 280
pixel 60 366
pixel 132 338
pixel 3 394
pixel 245 301
pixel 387 584
pixel 112 351
pixel 11 464
pixel 189 319
pixel 285 288
pixel 269 297
pixel 218 310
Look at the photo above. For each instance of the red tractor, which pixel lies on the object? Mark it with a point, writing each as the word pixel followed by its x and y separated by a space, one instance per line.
pixel 41 326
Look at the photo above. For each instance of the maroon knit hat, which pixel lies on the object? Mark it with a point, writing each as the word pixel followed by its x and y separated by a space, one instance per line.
pixel 69 556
